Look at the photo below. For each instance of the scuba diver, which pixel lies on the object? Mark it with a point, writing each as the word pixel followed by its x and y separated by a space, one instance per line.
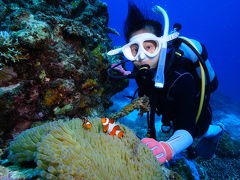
pixel 176 75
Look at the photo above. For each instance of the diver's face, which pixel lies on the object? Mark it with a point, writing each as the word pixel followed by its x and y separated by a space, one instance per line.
pixel 149 46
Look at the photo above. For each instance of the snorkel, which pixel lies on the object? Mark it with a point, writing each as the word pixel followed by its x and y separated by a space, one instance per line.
pixel 159 77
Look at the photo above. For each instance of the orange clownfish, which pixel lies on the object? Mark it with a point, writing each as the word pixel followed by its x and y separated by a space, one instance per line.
pixel 111 127
pixel 86 123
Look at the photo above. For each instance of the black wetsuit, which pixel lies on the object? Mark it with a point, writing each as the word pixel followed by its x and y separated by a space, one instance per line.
pixel 178 101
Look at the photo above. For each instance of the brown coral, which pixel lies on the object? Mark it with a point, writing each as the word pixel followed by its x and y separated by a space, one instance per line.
pixel 53 97
pixel 89 86
pixel 141 103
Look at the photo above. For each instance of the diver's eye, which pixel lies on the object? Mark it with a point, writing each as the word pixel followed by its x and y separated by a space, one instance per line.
pixel 150 46
pixel 134 49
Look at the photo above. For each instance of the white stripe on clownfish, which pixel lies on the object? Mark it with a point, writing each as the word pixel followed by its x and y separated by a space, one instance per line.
pixel 111 127
pixel 86 123
pixel 106 121
pixel 119 133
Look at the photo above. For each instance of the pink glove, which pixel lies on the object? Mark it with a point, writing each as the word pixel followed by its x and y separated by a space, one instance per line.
pixel 120 69
pixel 161 150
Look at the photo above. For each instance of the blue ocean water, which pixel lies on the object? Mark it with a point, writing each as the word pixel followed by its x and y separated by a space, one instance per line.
pixel 214 23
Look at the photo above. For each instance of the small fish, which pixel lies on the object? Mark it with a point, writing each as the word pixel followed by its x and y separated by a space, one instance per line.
pixel 86 123
pixel 109 126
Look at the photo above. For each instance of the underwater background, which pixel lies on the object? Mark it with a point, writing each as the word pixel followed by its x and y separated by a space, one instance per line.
pixel 53 81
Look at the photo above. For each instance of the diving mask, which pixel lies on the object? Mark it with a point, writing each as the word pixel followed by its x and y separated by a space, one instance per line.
pixel 143 46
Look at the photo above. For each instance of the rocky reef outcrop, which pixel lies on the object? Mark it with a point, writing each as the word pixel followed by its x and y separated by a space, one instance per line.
pixel 53 61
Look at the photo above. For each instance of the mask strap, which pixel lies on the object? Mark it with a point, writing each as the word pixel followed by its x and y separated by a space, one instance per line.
pixel 114 51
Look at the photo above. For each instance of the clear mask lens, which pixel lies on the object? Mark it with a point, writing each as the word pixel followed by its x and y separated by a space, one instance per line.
pixel 150 46
pixel 134 49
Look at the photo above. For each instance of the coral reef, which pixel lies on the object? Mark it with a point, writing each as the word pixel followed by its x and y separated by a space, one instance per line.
pixel 65 150
pixel 17 173
pixel 53 61
pixel 219 168
pixel 181 167
pixel 141 103
pixel 228 147
pixel 226 161
pixel 10 50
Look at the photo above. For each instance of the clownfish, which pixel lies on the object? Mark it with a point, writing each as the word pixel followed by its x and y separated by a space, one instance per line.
pixel 109 126
pixel 86 123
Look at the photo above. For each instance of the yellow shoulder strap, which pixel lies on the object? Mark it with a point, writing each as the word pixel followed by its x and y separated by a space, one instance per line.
pixel 203 81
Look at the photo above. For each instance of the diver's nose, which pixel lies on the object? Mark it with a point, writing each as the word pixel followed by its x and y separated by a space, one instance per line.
pixel 141 56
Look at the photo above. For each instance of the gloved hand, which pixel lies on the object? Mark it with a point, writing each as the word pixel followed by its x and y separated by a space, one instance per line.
pixel 120 69
pixel 161 150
